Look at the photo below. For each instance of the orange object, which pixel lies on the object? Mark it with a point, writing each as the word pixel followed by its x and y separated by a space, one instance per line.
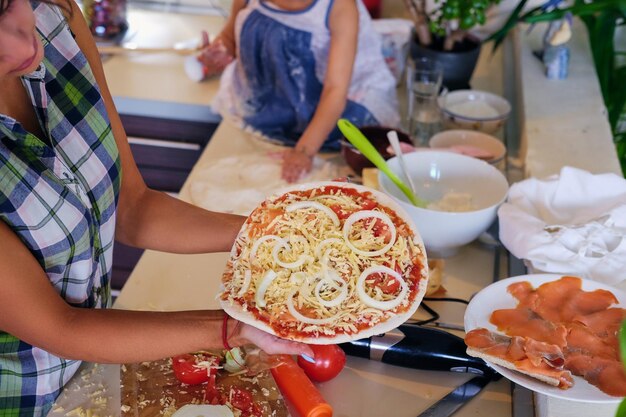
pixel 299 390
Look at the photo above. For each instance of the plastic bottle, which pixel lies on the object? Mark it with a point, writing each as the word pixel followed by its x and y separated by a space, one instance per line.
pixel 298 389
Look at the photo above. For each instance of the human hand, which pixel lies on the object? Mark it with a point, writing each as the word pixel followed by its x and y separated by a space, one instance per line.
pixel 213 56
pixel 269 343
pixel 296 163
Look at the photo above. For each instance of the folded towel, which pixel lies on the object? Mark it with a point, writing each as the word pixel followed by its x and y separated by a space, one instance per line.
pixel 573 223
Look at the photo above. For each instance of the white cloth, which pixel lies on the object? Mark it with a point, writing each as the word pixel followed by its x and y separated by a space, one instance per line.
pixel 574 223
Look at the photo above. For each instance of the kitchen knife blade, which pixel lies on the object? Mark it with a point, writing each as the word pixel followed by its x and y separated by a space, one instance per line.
pixel 457 398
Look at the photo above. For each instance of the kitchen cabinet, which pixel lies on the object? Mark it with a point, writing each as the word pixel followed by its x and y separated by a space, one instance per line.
pixel 166 139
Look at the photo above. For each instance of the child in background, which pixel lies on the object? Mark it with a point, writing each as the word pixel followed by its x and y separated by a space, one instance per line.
pixel 299 66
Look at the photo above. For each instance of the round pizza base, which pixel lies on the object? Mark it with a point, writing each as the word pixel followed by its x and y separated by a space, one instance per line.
pixel 236 312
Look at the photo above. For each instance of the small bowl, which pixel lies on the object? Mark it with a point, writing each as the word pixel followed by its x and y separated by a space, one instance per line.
pixel 437 173
pixel 488 148
pixel 377 135
pixel 474 110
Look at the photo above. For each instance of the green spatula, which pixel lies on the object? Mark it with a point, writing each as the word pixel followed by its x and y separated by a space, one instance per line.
pixel 356 138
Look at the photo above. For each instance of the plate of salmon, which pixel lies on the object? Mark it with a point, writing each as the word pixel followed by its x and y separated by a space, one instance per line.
pixel 556 335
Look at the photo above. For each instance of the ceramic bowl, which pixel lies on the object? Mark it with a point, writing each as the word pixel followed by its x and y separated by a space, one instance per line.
pixel 436 174
pixel 474 110
pixel 470 142
pixel 377 135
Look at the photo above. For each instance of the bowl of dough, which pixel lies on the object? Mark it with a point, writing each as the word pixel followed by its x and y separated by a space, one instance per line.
pixel 475 110
pixel 463 192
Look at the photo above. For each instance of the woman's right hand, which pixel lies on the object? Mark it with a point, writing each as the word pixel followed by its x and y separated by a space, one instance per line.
pixel 214 55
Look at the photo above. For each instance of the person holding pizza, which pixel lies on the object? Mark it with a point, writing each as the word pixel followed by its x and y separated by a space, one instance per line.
pixel 68 188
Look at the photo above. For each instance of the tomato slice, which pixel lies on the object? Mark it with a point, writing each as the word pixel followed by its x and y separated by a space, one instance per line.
pixel 211 394
pixel 387 283
pixel 188 372
pixel 242 400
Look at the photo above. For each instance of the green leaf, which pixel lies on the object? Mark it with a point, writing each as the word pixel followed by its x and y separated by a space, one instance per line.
pixel 616 96
pixel 499 36
pixel 621 410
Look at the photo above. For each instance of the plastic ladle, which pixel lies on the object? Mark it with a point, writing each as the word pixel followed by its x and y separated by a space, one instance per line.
pixel 392 135
pixel 356 138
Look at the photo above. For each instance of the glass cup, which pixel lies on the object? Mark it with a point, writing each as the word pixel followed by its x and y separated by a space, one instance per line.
pixel 424 77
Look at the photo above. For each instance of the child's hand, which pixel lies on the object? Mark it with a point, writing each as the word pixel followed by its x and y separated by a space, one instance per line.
pixel 295 164
pixel 214 56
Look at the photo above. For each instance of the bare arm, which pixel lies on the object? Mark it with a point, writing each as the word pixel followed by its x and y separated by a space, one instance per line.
pixel 147 218
pixel 31 310
pixel 344 27
pixel 216 55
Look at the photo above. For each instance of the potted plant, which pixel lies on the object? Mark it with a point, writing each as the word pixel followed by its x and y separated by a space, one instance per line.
pixel 442 34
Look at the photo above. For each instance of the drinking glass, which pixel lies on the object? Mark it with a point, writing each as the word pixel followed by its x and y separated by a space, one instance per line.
pixel 424 115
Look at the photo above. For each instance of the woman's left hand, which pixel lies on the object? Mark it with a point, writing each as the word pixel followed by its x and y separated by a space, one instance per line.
pixel 296 163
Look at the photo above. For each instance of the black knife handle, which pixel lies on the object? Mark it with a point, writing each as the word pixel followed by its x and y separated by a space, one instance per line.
pixel 419 348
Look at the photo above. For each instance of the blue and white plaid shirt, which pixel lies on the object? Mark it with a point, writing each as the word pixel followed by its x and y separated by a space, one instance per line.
pixel 59 195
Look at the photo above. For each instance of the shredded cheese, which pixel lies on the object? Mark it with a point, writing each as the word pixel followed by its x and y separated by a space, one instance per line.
pixel 298 261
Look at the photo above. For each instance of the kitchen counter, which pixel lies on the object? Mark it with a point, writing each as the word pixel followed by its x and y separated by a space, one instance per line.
pixel 162 282
pixel 170 282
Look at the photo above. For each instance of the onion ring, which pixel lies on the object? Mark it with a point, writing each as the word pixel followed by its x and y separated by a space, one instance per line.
pixel 331 280
pixel 381 305
pixel 312 204
pixel 267 279
pixel 308 320
pixel 247 277
pixel 290 265
pixel 366 214
pixel 256 245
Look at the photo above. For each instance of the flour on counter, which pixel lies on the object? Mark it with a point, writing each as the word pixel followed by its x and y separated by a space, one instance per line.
pixel 237 184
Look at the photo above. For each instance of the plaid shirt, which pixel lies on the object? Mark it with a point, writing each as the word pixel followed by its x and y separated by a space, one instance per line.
pixel 59 196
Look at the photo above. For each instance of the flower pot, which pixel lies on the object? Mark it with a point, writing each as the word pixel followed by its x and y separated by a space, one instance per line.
pixel 458 64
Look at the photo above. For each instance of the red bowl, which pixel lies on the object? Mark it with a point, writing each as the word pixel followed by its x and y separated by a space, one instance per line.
pixel 377 135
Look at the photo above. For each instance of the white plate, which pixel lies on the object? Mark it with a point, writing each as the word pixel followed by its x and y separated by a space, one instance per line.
pixel 496 296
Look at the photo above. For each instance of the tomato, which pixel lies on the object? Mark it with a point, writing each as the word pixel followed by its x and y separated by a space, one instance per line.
pixel 341 213
pixel 186 369
pixel 387 283
pixel 368 204
pixel 329 361
pixel 381 228
pixel 211 393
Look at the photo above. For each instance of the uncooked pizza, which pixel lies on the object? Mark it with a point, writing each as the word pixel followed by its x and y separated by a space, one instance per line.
pixel 326 263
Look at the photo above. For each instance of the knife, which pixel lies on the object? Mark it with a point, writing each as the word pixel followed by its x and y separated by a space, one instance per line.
pixel 428 349
pixel 457 398
pixel 419 348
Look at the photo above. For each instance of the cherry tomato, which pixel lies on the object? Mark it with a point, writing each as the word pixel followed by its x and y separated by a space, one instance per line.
pixel 329 361
pixel 186 369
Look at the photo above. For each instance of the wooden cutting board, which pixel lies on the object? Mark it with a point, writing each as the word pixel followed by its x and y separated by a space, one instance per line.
pixel 150 389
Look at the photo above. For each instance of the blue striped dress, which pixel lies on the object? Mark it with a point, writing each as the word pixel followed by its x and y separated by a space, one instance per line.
pixel 59 195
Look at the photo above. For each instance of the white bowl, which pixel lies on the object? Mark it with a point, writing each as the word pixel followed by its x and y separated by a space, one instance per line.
pixel 453 140
pixel 475 110
pixel 436 173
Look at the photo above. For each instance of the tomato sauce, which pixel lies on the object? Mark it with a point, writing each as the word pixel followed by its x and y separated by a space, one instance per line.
pixel 286 325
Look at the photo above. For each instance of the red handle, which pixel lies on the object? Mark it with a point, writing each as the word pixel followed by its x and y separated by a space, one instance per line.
pixel 298 389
